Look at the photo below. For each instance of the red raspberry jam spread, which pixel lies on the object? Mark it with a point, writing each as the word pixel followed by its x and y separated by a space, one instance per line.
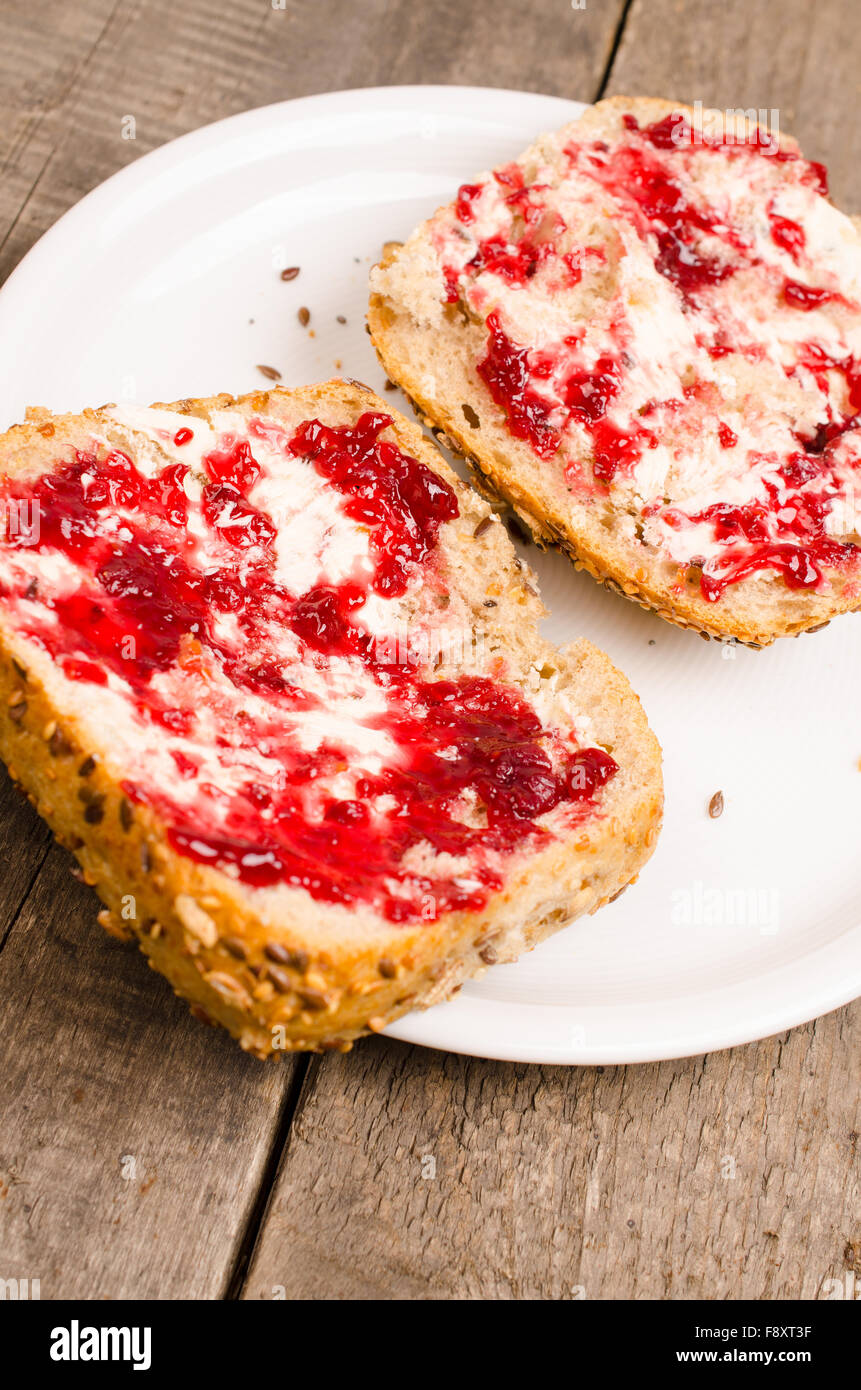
pixel 672 318
pixel 233 612
pixel 506 374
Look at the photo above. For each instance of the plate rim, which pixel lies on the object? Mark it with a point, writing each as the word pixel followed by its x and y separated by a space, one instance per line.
pixel 172 151
pixel 543 1053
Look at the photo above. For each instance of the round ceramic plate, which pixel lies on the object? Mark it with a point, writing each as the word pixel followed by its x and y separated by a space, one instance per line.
pixel 165 283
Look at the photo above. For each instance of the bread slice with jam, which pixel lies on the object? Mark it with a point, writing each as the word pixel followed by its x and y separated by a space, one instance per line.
pixel 272 672
pixel 645 333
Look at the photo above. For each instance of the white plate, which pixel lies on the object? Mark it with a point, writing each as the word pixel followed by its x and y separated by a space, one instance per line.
pixel 164 283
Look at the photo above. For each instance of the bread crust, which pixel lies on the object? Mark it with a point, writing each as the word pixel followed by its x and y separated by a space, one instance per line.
pixel 309 975
pixel 759 608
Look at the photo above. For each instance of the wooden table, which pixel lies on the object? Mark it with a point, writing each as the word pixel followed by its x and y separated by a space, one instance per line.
pixel 143 1155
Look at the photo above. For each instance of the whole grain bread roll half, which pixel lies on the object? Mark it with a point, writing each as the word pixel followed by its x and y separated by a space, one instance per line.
pixel 645 334
pixel 272 672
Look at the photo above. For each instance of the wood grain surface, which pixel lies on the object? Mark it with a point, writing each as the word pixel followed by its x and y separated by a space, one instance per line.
pixel 133 1142
pixel 415 1174
pixel 143 1155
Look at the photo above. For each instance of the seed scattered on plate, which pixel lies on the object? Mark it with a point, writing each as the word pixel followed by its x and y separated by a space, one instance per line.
pixel 272 373
pixel 304 316
pixel 290 273
pixel 716 805
pixel 341 319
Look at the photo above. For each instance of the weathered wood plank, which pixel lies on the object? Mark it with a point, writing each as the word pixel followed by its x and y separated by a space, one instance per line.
pixel 24 842
pixel 133 1139
pixel 798 58
pixel 411 1174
